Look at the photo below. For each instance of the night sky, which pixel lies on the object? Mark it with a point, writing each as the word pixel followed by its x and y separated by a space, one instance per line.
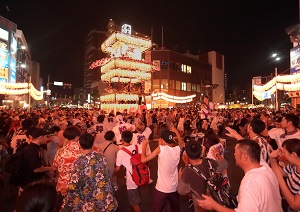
pixel 247 32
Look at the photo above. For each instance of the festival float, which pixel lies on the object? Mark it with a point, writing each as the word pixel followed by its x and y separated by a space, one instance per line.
pixel 127 74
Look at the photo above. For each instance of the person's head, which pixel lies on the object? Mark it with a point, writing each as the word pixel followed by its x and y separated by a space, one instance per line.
pixel 257 126
pixel 193 149
pixel 211 138
pixel 55 129
pixel 86 141
pixel 206 99
pixel 140 126
pixel 277 122
pixel 163 127
pixel 119 118
pixel 38 135
pixel 109 135
pixel 100 118
pixel 247 151
pixel 37 196
pixel 127 136
pixel 291 149
pixel 71 133
pixel 77 116
pixel 167 137
pixel 26 123
pixel 63 125
pixel 289 120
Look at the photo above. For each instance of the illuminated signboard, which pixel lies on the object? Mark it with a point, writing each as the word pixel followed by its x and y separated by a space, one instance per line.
pixel 3 74
pixel 295 59
pixel 126 29
pixel 4 59
pixel 13 63
pixel 3 34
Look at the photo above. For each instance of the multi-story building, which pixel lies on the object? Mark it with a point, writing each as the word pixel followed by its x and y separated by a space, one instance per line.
pixel 180 75
pixel 15 62
pixel 216 60
pixel 92 53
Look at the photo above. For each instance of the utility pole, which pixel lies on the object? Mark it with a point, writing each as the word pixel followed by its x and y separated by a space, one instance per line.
pixel 276 93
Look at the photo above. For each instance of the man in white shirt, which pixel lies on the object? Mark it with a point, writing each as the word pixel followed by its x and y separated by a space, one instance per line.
pixel 120 127
pixel 123 159
pixel 167 174
pixel 259 191
pixel 289 129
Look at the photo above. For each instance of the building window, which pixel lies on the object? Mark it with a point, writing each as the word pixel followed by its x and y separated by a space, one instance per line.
pixel 178 85
pixel 194 87
pixel 164 84
pixel 188 86
pixel 155 84
pixel 183 68
pixel 172 84
pixel 183 86
pixel 198 88
pixel 188 69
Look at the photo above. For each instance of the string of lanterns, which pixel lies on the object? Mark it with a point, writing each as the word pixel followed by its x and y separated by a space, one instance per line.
pixel 174 99
pixel 20 89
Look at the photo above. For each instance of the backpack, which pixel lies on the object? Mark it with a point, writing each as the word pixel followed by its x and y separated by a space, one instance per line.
pixel 217 186
pixel 140 171
pixel 14 167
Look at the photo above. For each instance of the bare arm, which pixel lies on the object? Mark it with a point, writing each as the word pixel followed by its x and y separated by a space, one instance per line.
pixel 209 204
pixel 180 140
pixel 44 169
pixel 150 156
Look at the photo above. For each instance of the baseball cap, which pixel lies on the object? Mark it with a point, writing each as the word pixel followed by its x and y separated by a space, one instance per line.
pixel 167 136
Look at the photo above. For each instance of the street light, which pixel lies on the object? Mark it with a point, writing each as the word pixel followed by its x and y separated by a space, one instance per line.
pixel 274 55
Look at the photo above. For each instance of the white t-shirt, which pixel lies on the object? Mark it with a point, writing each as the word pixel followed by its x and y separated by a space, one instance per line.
pixel 121 127
pixel 219 146
pixel 17 141
pixel 167 173
pixel 123 159
pixel 137 139
pixel 259 191
pixel 275 133
pixel 99 131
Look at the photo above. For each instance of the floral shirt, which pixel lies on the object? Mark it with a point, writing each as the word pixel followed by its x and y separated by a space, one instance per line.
pixel 90 187
pixel 63 162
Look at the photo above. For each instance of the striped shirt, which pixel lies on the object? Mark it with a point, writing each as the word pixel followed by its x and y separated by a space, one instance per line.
pixel 292 180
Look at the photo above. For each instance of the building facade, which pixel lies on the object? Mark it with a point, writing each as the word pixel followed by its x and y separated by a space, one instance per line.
pixel 179 75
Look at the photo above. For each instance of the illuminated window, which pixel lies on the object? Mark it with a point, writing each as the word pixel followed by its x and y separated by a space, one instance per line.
pixel 183 86
pixel 188 69
pixel 164 84
pixel 183 68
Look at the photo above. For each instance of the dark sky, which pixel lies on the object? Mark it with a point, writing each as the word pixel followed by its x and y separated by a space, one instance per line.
pixel 245 31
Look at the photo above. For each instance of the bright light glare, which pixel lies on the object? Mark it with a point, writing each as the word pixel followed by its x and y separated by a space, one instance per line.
pixel 277 59
pixel 274 55
pixel 23 66
pixel 23 47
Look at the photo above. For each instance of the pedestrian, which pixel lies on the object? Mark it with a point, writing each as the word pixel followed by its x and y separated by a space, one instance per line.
pixel 167 174
pixel 89 188
pixel 289 176
pixel 259 189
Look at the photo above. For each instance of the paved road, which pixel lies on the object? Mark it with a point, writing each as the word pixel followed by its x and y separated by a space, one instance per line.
pixel 8 195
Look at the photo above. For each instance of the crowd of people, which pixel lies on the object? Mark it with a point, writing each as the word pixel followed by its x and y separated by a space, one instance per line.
pixel 73 155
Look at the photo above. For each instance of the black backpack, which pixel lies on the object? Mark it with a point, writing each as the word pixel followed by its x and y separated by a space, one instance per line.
pixel 217 186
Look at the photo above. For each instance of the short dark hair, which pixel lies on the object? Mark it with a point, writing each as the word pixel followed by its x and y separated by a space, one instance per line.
pixel 100 118
pixel 26 123
pixel 127 136
pixel 109 135
pixel 54 129
pixel 252 148
pixel 71 132
pixel 292 145
pixel 193 149
pixel 32 200
pixel 293 118
pixel 86 141
pixel 257 125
